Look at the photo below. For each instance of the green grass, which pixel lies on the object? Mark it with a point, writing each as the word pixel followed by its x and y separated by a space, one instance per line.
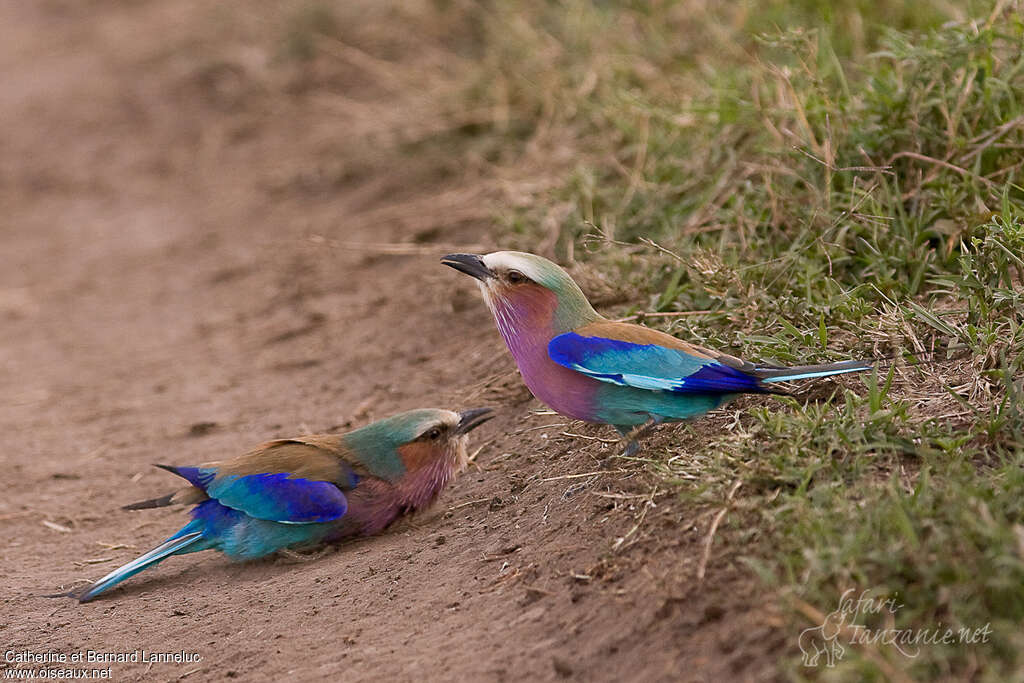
pixel 851 185
pixel 828 180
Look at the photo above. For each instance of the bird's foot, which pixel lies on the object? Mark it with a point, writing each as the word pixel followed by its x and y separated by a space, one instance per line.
pixel 633 436
pixel 631 449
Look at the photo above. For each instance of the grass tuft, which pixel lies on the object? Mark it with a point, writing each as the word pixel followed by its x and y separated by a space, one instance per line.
pixel 849 185
pixel 820 181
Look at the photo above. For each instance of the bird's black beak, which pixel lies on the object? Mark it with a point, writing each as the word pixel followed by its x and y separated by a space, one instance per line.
pixel 470 264
pixel 471 419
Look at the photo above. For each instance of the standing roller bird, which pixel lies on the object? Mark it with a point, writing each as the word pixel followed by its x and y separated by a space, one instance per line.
pixel 589 368
pixel 311 489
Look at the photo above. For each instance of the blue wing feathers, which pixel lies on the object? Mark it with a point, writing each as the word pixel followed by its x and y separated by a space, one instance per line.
pixel 273 496
pixel 278 497
pixel 212 519
pixel 647 366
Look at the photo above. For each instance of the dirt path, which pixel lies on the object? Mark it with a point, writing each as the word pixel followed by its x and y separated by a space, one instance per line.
pixel 172 289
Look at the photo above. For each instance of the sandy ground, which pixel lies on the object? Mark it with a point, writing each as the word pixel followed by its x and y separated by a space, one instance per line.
pixel 179 281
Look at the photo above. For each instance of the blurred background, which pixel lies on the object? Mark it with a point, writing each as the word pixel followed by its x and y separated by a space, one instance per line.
pixel 221 222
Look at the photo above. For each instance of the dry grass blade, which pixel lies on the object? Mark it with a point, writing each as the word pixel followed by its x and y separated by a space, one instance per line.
pixel 944 164
pixel 661 314
pixel 582 475
pixel 469 503
pixel 648 504
pixel 710 537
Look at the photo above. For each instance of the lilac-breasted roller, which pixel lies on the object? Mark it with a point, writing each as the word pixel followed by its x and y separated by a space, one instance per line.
pixel 311 489
pixel 590 368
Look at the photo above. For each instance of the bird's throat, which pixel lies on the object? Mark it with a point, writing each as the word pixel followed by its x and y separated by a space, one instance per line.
pixel 527 330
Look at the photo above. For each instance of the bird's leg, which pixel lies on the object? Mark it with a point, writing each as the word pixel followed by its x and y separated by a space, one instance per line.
pixel 632 435
pixel 623 430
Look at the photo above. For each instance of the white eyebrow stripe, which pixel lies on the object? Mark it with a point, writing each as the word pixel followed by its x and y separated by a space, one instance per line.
pixel 448 421
pixel 510 260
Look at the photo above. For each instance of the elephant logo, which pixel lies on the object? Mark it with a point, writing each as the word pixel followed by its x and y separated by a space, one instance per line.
pixel 823 640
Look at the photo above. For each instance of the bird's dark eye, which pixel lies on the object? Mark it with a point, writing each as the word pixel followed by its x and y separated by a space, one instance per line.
pixel 515 277
pixel 433 433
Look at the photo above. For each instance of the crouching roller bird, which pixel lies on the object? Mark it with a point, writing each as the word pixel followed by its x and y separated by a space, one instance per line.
pixel 589 368
pixel 311 489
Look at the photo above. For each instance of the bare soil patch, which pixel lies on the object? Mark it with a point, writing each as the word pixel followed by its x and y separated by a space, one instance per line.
pixel 178 281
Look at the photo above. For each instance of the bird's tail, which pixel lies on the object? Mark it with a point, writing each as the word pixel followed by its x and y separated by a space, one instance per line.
pixel 173 545
pixel 768 374
pixel 160 502
pixel 774 373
